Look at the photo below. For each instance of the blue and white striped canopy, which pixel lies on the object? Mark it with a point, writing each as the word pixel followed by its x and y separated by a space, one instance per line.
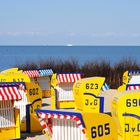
pixel 45 72
pixel 105 87
pixel 39 72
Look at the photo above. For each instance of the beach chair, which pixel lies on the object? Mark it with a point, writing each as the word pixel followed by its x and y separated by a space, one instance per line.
pixel 43 78
pixel 61 90
pixel 130 77
pixel 86 122
pixel 31 100
pixel 9 114
pixel 126 113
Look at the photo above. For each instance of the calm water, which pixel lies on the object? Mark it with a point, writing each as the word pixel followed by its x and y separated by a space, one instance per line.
pixel 12 55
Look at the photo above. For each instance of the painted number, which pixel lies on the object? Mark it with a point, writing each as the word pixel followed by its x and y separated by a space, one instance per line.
pixel 91 86
pixel 100 130
pixel 33 91
pixel 132 102
pixel 32 108
pixel 3 80
pixel 94 102
pixel 18 80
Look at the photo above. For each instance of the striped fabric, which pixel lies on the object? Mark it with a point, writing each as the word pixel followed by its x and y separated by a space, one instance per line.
pixel 9 93
pixel 134 76
pixel 130 72
pixel 45 72
pixel 38 73
pixel 133 87
pixel 68 78
pixel 105 87
pixel 45 116
pixel 32 73
pixel 19 85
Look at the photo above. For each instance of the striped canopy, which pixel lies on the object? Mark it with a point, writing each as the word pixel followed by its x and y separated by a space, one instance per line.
pixel 19 85
pixel 38 73
pixel 32 73
pixel 9 93
pixel 44 115
pixel 68 78
pixel 133 87
pixel 45 72
pixel 130 72
pixel 105 87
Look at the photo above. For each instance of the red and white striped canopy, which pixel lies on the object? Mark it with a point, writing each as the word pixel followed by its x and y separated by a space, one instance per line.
pixel 45 116
pixel 134 87
pixel 68 78
pixel 32 73
pixel 9 93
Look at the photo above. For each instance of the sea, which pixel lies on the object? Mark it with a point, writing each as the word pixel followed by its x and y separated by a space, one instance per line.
pixel 10 56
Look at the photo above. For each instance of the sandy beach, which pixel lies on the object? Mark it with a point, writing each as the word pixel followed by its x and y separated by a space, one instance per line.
pixel 35 136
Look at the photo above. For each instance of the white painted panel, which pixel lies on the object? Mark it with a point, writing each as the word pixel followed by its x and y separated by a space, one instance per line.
pixel 66 130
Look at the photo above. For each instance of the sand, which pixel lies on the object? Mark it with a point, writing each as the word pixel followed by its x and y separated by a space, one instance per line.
pixel 34 137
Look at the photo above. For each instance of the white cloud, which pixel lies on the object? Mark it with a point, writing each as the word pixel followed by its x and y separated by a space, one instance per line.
pixel 22 33
pixel 72 34
pixel 115 34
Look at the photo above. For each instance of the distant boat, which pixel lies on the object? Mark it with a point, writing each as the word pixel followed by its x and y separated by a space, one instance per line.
pixel 69 45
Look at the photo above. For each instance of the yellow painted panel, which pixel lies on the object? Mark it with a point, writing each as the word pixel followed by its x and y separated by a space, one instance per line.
pixel 23 126
pixel 66 104
pixel 126 112
pixel 87 85
pixel 7 133
pixel 53 80
pixel 11 132
pixel 20 71
pixel 33 92
pixel 91 103
pixel 34 97
pixel 36 105
pixel 99 126
pixel 17 118
pixel 125 77
pixel 53 98
pixel 46 93
pixel 14 77
pixel 53 86
pixel 34 123
pixel 10 70
pixel 121 88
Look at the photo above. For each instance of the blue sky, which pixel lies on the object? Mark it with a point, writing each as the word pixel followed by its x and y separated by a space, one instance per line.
pixel 78 22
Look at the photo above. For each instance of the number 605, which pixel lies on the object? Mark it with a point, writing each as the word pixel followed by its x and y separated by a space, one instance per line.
pixel 100 130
